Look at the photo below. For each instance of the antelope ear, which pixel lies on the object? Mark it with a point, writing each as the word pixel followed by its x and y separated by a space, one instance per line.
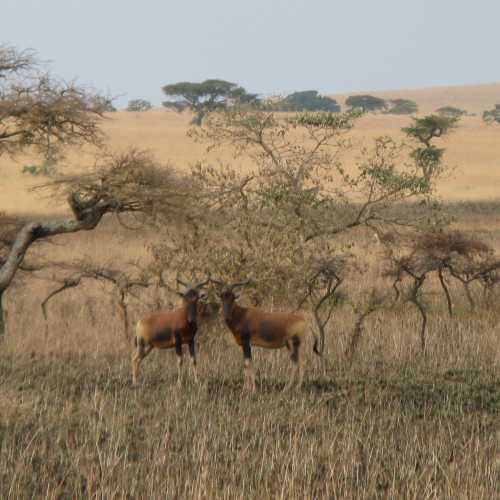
pixel 236 297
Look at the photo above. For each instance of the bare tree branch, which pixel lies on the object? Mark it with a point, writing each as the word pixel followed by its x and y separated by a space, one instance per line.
pixel 84 270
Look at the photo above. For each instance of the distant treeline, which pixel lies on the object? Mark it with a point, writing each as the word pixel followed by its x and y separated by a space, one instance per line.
pixel 215 95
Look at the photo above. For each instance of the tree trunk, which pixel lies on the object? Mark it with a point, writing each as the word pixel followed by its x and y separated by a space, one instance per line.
pixel 87 217
pixel 198 119
pixel 2 318
pixel 446 292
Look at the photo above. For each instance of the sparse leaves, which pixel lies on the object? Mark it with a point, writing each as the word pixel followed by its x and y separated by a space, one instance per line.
pixel 130 182
pixel 39 111
pixel 430 127
pixel 281 222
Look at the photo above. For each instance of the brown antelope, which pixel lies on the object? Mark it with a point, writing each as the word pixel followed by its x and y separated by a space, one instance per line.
pixel 168 329
pixel 273 330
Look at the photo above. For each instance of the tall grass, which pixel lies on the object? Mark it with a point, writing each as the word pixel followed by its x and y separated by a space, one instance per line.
pixel 391 423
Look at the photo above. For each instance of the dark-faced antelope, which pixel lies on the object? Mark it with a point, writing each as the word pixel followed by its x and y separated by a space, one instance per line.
pixel 273 330
pixel 168 329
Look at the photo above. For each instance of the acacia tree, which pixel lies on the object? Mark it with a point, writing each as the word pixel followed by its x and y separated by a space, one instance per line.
pixel 402 107
pixel 451 111
pixel 366 103
pixel 306 100
pixel 281 221
pixel 492 115
pixel 139 105
pixel 80 271
pixel 204 97
pixel 37 111
pixel 446 257
pixel 129 182
pixel 424 131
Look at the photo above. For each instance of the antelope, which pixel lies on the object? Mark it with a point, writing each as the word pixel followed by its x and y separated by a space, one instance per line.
pixel 272 330
pixel 168 329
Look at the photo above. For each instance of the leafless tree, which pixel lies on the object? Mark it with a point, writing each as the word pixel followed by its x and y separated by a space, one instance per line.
pixel 76 273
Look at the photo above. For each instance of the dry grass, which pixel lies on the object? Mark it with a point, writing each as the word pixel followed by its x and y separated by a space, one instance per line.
pixel 391 424
pixel 473 150
pixel 471 98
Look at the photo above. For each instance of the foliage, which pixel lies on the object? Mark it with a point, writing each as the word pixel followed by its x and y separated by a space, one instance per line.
pixel 402 107
pixel 105 104
pixel 205 97
pixel 139 105
pixel 366 103
pixel 429 127
pixel 38 111
pixel 427 156
pixel 492 115
pixel 129 182
pixel 449 255
pixel 282 221
pixel 307 100
pixel 451 112
pixel 43 169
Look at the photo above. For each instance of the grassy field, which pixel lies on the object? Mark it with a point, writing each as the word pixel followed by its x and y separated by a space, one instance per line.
pixel 473 150
pixel 389 424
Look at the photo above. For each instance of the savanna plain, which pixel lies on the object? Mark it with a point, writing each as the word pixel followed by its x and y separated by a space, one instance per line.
pixel 388 422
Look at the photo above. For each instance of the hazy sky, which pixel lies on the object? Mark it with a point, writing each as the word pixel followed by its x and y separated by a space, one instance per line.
pixel 131 48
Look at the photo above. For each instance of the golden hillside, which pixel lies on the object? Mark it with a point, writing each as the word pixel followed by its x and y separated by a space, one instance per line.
pixel 471 98
pixel 473 150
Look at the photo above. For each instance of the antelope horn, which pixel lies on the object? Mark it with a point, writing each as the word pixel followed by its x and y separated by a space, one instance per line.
pixel 182 282
pixel 217 282
pixel 241 283
pixel 204 283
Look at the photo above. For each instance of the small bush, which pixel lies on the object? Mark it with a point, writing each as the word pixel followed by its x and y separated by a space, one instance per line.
pixel 43 169
pixel 139 105
pixel 451 112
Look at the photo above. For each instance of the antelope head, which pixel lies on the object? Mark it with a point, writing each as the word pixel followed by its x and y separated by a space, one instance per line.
pixel 228 296
pixel 190 296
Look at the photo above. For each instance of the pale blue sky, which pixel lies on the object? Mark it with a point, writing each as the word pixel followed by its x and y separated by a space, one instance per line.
pixel 131 48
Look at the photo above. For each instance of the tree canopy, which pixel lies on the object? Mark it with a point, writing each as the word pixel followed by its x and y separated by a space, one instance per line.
pixel 139 105
pixel 284 220
pixel 205 97
pixel 39 111
pixel 366 103
pixel 402 107
pixel 492 115
pixel 307 100
pixel 451 112
pixel 424 130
